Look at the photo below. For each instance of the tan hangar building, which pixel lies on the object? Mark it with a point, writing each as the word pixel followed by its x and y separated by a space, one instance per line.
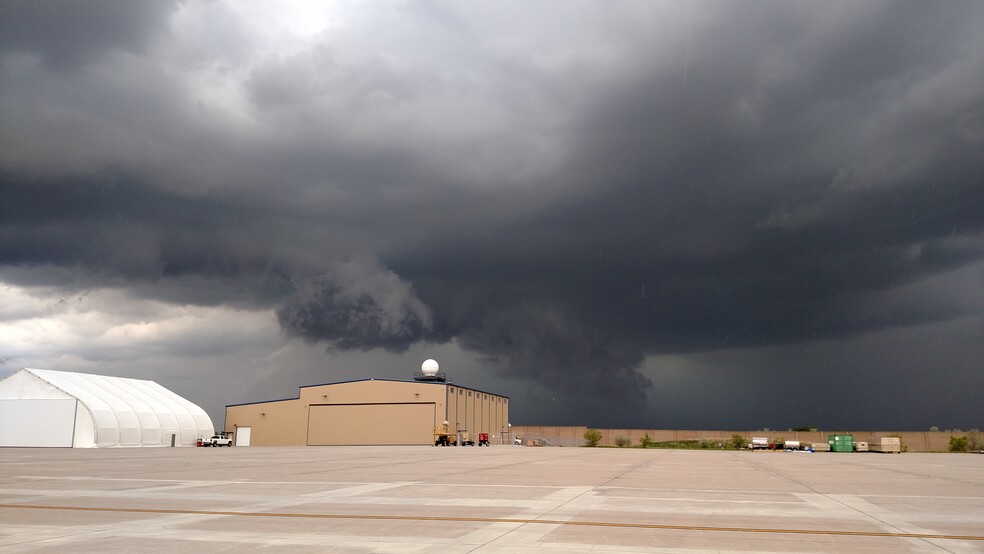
pixel 371 412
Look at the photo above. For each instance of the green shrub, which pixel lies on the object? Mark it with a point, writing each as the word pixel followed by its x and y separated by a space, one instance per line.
pixel 685 444
pixel 646 441
pixel 738 442
pixel 622 441
pixel 592 436
pixel 959 444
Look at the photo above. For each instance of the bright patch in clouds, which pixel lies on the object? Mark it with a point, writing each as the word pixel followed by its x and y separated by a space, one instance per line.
pixel 303 18
pixel 300 20
pixel 40 327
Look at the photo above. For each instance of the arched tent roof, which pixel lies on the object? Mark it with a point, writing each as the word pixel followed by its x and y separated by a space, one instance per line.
pixel 130 412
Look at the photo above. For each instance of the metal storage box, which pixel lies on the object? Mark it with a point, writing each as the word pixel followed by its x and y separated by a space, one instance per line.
pixel 841 443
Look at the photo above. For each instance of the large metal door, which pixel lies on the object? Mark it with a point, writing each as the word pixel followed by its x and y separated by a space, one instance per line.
pixel 355 424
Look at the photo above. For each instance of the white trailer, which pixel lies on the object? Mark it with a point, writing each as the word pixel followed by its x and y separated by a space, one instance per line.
pixel 891 445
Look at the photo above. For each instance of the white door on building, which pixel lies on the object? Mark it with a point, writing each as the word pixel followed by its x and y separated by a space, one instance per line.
pixel 242 435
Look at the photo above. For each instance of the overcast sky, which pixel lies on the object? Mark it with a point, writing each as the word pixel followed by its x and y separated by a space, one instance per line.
pixel 620 214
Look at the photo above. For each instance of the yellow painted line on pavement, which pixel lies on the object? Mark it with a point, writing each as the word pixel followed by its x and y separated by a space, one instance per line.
pixel 447 519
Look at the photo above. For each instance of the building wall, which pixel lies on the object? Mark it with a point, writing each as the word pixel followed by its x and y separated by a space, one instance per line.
pixel 371 412
pixel 277 423
pixel 478 412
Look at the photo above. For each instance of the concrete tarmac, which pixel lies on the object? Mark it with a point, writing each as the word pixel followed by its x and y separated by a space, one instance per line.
pixel 507 499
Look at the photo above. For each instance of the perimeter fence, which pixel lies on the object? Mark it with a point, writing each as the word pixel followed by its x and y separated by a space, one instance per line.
pixel 573 436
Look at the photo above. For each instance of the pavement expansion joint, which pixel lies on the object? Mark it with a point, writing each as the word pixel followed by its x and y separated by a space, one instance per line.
pixel 624 525
pixel 508 500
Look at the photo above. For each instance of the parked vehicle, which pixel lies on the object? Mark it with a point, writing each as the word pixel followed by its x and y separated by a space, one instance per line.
pixel 443 435
pixel 217 440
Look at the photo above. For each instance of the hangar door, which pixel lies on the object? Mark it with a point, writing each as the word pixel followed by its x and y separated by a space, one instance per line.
pixel 37 422
pixel 353 424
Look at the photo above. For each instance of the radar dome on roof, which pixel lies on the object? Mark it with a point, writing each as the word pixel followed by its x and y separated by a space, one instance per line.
pixel 429 367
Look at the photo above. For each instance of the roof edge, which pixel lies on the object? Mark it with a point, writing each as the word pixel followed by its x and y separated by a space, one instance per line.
pixel 298 397
pixel 261 402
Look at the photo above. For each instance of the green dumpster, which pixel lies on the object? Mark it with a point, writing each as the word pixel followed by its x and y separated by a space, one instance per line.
pixel 841 443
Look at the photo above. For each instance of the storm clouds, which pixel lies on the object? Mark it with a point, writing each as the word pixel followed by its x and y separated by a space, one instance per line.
pixel 636 214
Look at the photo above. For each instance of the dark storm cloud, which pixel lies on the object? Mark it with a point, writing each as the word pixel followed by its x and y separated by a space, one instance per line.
pixel 109 230
pixel 551 346
pixel 564 204
pixel 356 304
pixel 69 34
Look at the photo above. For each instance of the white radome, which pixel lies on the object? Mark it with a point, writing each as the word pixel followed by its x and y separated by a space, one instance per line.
pixel 429 367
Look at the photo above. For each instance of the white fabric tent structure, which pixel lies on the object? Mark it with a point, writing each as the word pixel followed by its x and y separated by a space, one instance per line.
pixel 40 407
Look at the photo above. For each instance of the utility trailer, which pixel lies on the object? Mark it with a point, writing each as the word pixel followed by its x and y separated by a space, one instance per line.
pixel 759 443
pixel 891 445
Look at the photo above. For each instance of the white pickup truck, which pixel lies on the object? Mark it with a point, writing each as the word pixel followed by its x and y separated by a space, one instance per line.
pixel 217 440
